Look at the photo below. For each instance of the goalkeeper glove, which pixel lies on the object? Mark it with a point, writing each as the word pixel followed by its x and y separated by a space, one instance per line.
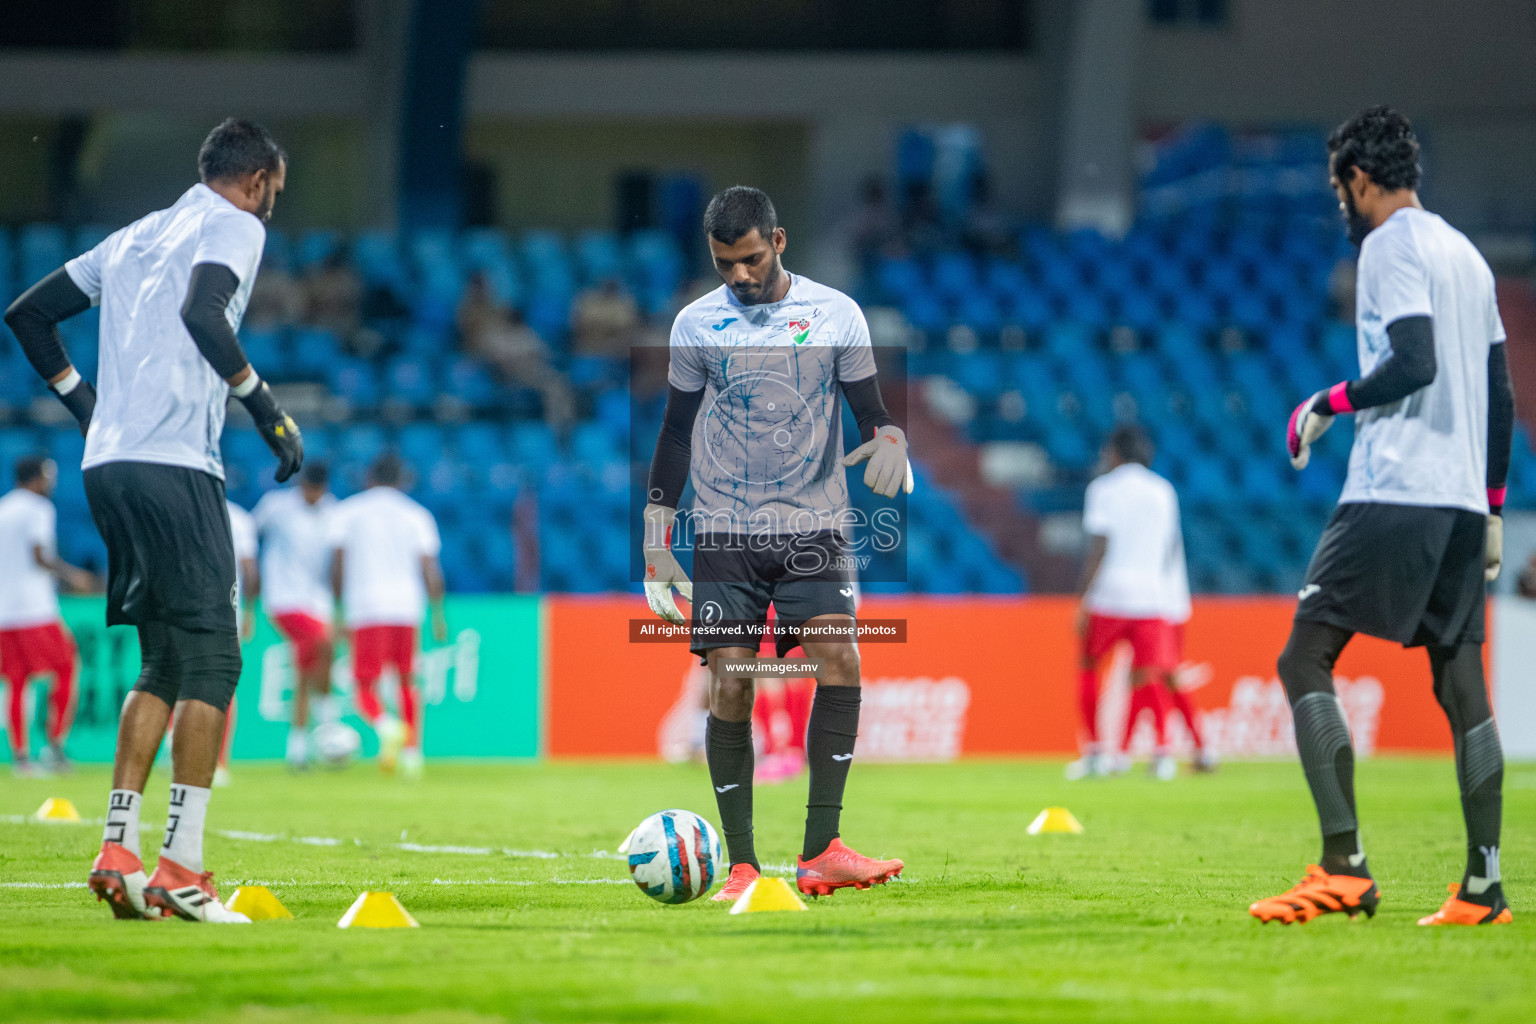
pixel 889 470
pixel 79 397
pixel 1310 419
pixel 275 426
pixel 1494 550
pixel 662 572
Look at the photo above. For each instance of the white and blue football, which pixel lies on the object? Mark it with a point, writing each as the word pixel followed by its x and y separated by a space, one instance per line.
pixel 674 856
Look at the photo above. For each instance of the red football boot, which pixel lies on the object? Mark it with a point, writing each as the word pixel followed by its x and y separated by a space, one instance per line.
pixel 838 867
pixel 117 876
pixel 742 875
pixel 181 892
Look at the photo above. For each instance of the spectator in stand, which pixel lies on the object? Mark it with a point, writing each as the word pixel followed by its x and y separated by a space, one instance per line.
pixel 988 230
pixel 872 226
pixel 276 299
pixel 333 295
pixel 498 335
pixel 604 320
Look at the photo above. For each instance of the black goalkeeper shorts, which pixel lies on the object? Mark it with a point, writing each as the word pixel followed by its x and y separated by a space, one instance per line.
pixel 170 556
pixel 736 576
pixel 1408 573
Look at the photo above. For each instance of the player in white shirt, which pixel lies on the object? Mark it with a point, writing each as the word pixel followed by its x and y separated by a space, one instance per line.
pixel 1417 532
pixel 1135 590
pixel 33 639
pixel 757 372
pixel 172 287
pixel 384 574
pixel 294 523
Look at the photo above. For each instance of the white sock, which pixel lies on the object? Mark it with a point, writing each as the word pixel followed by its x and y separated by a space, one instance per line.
pixel 298 745
pixel 123 820
pixel 184 826
pixel 326 708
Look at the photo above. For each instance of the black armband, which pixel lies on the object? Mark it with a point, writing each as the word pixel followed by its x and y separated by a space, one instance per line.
pixel 208 294
pixel 868 407
pixel 35 316
pixel 674 448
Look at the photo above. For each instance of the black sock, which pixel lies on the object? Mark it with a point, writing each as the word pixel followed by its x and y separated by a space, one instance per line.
pixel 1463 694
pixel 1322 738
pixel 728 748
pixel 834 728
pixel 1480 770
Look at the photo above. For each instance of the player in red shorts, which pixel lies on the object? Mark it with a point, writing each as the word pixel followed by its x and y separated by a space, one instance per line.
pixel 1134 590
pixel 294 524
pixel 384 570
pixel 33 640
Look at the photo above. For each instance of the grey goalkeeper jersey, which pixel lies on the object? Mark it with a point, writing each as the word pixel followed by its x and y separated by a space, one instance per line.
pixel 767 442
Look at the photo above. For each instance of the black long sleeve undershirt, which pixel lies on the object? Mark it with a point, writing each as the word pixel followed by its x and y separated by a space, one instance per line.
pixel 35 317
pixel 1501 416
pixel 868 407
pixel 674 448
pixel 211 287
pixel 1410 367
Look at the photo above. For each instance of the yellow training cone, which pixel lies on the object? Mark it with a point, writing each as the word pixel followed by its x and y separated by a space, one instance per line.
pixel 56 808
pixel 377 910
pixel 257 903
pixel 769 892
pixel 1054 819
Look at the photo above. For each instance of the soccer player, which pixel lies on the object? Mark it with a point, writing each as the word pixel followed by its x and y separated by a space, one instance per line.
pixel 384 570
pixel 1417 532
pixel 295 566
pixel 33 640
pixel 1134 589
pixel 172 288
pixel 771 352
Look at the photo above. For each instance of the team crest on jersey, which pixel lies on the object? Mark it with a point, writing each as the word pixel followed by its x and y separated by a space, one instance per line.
pixel 799 330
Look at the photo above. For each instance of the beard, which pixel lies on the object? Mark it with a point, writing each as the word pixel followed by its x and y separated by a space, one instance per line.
pixel 268 200
pixel 759 294
pixel 1355 226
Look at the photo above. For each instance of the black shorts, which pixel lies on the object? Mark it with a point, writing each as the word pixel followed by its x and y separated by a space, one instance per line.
pixel 170 558
pixel 1407 573
pixel 735 577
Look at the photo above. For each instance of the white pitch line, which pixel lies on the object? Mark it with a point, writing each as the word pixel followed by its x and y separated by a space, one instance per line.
pixel 468 851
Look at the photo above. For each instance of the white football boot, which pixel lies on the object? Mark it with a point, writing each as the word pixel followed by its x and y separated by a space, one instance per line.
pixel 181 892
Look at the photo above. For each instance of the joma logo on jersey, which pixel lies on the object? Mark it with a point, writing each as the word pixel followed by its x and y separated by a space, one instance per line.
pixel 799 330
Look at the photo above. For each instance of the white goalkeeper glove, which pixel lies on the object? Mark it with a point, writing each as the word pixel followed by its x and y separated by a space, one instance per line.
pixel 662 572
pixel 889 470
pixel 1494 552
pixel 1308 422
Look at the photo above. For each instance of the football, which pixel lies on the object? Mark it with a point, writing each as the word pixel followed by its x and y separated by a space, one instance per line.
pixel 674 856
pixel 337 743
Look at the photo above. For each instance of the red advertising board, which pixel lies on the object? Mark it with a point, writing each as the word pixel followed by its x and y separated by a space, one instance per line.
pixel 977 675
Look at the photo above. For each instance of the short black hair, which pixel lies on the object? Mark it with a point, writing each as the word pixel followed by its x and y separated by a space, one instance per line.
pixel 235 148
pixel 1131 443
pixel 1380 142
pixel 29 468
pixel 316 472
pixel 734 212
pixel 387 470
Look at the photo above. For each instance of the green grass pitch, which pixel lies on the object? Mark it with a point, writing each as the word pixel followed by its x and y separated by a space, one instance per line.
pixel 1143 918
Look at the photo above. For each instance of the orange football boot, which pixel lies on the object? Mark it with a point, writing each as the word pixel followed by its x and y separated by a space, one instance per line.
pixel 838 867
pixel 742 875
pixel 1458 911
pixel 117 876
pixel 178 891
pixel 1318 894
